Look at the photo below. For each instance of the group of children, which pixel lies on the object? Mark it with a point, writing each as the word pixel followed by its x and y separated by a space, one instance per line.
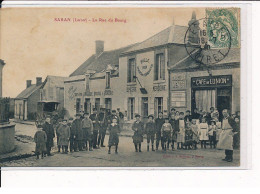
pixel 182 130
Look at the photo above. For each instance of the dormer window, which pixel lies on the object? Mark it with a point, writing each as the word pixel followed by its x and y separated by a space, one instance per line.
pixel 108 80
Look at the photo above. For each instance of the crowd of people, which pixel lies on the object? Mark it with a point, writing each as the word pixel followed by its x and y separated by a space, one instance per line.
pixel 176 130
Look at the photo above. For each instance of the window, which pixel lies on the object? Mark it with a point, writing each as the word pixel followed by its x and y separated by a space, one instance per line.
pixel 87 106
pixel 159 69
pixel 158 106
pixel 107 80
pixel 131 70
pixel 97 103
pixel 108 103
pixel 78 105
pixel 131 108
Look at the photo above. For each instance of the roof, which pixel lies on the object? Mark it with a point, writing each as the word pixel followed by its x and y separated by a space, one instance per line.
pixel 99 63
pixel 188 63
pixel 57 80
pixel 173 34
pixel 28 91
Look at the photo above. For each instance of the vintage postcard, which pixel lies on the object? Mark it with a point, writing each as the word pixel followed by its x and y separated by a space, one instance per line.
pixel 120 86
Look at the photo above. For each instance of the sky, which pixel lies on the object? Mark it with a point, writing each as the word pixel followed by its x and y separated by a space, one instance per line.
pixel 33 44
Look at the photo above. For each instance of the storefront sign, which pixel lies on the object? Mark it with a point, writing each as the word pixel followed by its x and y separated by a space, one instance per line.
pixel 144 67
pixel 131 89
pixel 178 98
pixel 212 81
pixel 159 88
pixel 178 81
pixel 108 93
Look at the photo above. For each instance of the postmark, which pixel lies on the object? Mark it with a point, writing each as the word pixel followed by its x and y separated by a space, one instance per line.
pixel 207 41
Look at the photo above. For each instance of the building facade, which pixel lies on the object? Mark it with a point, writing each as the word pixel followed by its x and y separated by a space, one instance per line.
pixel 218 85
pixel 52 92
pixel 26 101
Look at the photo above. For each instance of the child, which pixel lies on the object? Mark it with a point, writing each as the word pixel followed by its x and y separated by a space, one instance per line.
pixel 188 136
pixel 212 134
pixel 64 136
pixel 181 132
pixel 172 121
pixel 203 132
pixel 195 136
pixel 40 139
pixel 138 128
pixel 166 133
pixel 150 131
pixel 114 130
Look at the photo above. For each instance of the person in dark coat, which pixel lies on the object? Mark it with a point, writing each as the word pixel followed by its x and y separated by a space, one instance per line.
pixel 49 130
pixel 174 131
pixel 195 114
pixel 138 128
pixel 103 127
pixel 77 128
pixel 158 126
pixel 96 127
pixel 114 130
pixel 150 132
pixel 72 135
pixel 64 136
pixel 40 138
pixel 87 128
pixel 188 117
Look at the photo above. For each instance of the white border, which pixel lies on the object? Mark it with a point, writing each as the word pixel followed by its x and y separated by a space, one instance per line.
pixel 246 90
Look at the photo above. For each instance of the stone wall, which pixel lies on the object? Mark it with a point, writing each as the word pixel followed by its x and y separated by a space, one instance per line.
pixel 7 132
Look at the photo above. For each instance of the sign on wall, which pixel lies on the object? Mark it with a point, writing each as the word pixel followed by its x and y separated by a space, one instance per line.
pixel 178 98
pixel 178 81
pixel 144 66
pixel 212 81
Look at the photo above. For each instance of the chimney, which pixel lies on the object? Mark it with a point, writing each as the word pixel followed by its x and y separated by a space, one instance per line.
pixel 38 81
pixel 28 83
pixel 99 47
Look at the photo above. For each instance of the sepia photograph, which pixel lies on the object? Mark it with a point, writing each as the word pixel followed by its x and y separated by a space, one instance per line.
pixel 120 87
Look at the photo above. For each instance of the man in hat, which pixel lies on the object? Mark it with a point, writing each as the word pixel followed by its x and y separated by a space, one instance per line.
pixel 96 127
pixel 103 127
pixel 72 135
pixel 158 126
pixel 138 128
pixel 49 130
pixel 77 128
pixel 113 116
pixel 87 128
pixel 150 132
pixel 64 135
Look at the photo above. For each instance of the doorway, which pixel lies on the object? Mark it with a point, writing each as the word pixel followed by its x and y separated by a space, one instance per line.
pixel 224 101
pixel 78 105
pixel 87 106
pixel 131 108
pixel 108 103
pixel 144 107
pixel 158 106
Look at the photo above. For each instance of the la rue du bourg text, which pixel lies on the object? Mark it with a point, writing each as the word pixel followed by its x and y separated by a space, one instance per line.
pixel 90 20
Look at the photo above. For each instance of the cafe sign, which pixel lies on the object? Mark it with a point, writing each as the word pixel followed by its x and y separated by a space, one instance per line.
pixel 212 81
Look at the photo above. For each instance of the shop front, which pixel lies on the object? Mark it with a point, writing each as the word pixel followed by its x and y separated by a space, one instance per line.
pixel 198 89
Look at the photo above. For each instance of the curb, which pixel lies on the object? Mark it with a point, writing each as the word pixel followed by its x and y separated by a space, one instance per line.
pixel 23 123
pixel 17 157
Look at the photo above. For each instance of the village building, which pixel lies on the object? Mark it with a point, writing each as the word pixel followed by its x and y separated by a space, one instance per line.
pixel 52 93
pixel 96 83
pixel 26 101
pixel 143 70
pixel 217 85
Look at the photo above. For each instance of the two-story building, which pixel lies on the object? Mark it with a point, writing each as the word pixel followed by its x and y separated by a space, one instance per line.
pixel 96 83
pixel 143 70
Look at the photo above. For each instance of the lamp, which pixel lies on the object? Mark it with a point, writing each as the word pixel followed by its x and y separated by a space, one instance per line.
pixel 142 90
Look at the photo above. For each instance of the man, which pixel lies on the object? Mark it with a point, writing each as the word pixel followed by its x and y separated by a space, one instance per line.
pixel 158 126
pixel 72 135
pixel 226 136
pixel 112 116
pixel 87 128
pixel 96 127
pixel 77 128
pixel 195 114
pixel 103 127
pixel 138 128
pixel 49 130
pixel 120 114
pixel 187 118
pixel 173 112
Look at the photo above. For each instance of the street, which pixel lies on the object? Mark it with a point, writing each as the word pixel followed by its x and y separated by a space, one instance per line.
pixel 127 157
